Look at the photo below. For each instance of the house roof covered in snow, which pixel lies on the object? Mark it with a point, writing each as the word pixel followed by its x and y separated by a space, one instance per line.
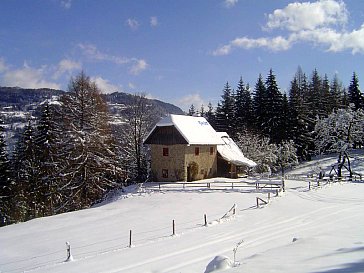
pixel 194 130
pixel 197 131
pixel 231 152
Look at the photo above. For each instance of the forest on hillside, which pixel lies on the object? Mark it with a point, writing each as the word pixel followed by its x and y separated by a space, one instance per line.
pixel 265 118
pixel 74 154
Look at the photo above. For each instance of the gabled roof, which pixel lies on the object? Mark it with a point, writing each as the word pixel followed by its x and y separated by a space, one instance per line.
pixel 231 152
pixel 195 130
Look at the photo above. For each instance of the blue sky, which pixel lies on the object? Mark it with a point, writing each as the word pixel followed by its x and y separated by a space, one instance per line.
pixel 179 51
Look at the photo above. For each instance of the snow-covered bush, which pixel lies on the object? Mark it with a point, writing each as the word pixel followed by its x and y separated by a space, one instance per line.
pixel 339 132
pixel 286 155
pixel 258 149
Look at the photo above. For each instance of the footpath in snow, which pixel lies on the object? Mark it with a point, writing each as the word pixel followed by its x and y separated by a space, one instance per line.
pixel 301 230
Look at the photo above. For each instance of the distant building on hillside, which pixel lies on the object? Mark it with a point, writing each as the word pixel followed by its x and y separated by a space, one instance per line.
pixel 186 148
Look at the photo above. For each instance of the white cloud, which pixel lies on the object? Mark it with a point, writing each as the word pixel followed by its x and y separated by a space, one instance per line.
pixel 66 66
pixel 93 53
pixel 154 21
pixel 223 50
pixel 186 101
pixel 309 16
pixel 151 97
pixel 66 4
pixel 321 23
pixel 131 85
pixel 138 67
pixel 230 3
pixel 105 86
pixel 3 66
pixel 133 24
pixel 276 44
pixel 27 77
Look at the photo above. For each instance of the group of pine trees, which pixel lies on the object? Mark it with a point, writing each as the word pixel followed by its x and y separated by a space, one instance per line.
pixel 267 112
pixel 65 160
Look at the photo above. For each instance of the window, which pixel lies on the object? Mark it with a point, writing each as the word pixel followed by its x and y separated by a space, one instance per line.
pixel 165 152
pixel 165 173
pixel 197 150
pixel 211 150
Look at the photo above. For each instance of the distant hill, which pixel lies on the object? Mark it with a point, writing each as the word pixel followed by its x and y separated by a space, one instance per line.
pixel 127 99
pixel 21 98
pixel 17 105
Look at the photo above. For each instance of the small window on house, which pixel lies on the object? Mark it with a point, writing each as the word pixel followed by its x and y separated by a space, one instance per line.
pixel 165 173
pixel 211 150
pixel 197 150
pixel 165 152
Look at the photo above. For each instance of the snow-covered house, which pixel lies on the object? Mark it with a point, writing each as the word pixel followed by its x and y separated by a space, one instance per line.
pixel 186 148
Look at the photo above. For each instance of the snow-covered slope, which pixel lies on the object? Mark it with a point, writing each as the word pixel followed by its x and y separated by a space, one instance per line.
pixel 320 230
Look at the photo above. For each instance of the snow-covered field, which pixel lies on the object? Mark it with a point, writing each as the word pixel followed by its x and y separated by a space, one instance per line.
pixel 321 230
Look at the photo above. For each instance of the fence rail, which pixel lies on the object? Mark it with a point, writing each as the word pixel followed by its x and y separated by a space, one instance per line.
pixel 218 184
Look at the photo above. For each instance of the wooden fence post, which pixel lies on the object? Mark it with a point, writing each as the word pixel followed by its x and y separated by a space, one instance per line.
pixel 130 233
pixel 173 228
pixel 257 202
pixel 205 218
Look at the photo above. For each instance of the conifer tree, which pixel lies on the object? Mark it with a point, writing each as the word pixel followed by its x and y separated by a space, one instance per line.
pixel 5 181
pixel 244 107
pixel 326 100
pixel 336 93
pixel 26 175
pixel 274 110
pixel 210 115
pixel 47 141
pixel 354 94
pixel 260 104
pixel 286 123
pixel 225 111
pixel 314 96
pixel 202 111
pixel 192 110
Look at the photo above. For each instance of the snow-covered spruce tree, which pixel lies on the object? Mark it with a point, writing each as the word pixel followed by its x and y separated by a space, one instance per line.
pixel 286 155
pixel 141 117
pixel 302 121
pixel 88 163
pixel 5 180
pixel 339 132
pixel 49 146
pixel 26 176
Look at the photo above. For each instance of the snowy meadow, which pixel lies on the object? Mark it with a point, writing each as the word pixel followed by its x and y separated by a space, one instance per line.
pixel 300 230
